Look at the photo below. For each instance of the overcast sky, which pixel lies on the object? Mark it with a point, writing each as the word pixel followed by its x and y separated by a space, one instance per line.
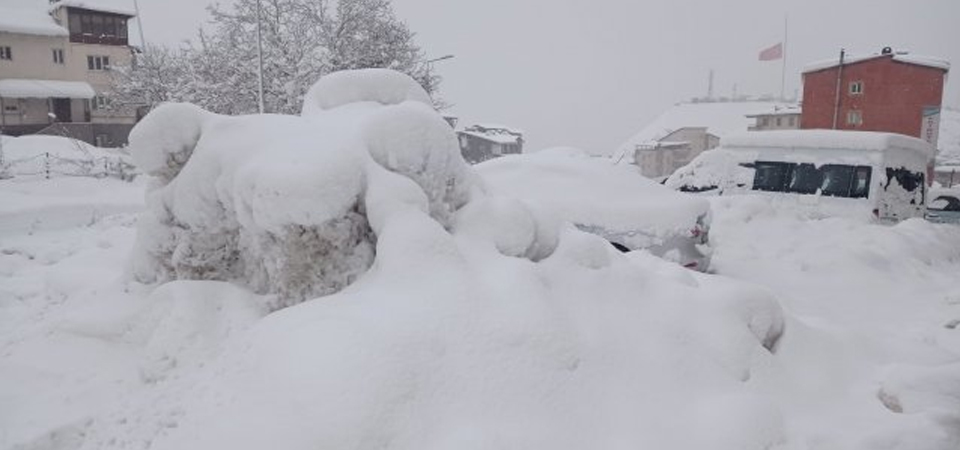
pixel 589 73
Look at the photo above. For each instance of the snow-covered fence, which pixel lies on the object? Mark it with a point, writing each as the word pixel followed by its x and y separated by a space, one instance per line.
pixel 54 156
pixel 49 165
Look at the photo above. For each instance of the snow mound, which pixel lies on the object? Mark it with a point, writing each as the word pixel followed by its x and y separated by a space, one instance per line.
pixel 291 205
pixel 166 138
pixel 383 86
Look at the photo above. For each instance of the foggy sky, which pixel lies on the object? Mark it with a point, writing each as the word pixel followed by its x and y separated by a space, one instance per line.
pixel 589 74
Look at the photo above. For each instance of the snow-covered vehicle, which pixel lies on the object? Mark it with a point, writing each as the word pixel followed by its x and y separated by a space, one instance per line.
pixel 609 200
pixel 829 171
pixel 944 206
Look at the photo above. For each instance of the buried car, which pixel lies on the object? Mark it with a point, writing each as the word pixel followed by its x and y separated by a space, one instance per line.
pixel 609 200
pixel 944 206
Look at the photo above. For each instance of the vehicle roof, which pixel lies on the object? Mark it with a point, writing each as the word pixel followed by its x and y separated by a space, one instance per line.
pixel 826 140
pixel 590 190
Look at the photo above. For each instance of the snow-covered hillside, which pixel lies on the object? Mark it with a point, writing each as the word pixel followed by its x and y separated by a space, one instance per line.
pixel 811 335
pixel 720 119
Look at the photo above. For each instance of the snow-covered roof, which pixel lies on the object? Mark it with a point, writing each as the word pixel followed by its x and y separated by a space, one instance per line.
pixel 908 58
pixel 720 119
pixel 21 18
pixel 825 139
pixel 499 138
pixel 495 126
pixel 20 88
pixel 123 7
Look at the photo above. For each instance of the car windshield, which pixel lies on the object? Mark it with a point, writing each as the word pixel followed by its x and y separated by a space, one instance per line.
pixel 945 203
pixel 833 180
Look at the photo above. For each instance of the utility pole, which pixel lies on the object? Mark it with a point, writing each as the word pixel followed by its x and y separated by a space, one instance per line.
pixel 783 69
pixel 143 42
pixel 259 62
pixel 836 100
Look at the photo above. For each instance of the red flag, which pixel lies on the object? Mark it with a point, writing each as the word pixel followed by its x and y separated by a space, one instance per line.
pixel 772 53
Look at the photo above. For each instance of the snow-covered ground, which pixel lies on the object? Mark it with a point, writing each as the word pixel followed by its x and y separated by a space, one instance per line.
pixel 457 346
pixel 812 334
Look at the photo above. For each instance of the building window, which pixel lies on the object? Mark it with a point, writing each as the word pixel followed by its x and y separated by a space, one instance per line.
pixel 58 56
pixel 11 109
pixel 98 62
pixel 854 117
pixel 856 88
pixel 5 53
pixel 100 102
pixel 793 121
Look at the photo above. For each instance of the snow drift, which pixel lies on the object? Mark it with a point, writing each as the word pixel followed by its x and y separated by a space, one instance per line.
pixel 293 205
pixel 475 325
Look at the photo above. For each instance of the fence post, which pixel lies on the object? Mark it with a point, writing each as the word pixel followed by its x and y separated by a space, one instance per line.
pixel 106 167
pixel 46 164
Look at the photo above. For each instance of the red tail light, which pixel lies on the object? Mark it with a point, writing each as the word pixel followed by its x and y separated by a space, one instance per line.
pixel 696 231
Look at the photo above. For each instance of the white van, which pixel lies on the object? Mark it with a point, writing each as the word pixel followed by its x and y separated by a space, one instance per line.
pixel 882 174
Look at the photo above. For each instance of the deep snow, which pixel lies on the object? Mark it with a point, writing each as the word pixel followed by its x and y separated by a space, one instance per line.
pixel 813 334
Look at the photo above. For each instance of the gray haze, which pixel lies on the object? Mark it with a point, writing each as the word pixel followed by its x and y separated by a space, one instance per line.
pixel 591 73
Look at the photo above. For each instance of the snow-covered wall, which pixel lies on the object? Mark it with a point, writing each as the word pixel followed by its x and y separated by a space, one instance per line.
pixel 293 205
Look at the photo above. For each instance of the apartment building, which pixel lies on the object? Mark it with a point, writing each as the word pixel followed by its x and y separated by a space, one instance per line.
pixel 55 63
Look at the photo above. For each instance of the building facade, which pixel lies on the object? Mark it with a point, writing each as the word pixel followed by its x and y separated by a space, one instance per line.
pixel 779 118
pixel 55 72
pixel 479 143
pixel 892 92
pixel 662 157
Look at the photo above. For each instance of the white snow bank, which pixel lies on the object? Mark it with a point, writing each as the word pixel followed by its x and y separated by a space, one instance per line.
pixel 31 204
pixel 283 202
pixel 383 86
pixel 868 343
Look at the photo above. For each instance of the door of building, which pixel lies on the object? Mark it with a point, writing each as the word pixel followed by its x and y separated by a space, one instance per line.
pixel 61 109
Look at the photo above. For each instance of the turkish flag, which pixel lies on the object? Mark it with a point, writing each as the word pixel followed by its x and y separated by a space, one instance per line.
pixel 772 53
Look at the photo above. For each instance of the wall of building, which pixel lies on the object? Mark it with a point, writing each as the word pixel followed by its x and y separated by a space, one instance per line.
pixel 767 122
pixel 894 94
pixel 33 55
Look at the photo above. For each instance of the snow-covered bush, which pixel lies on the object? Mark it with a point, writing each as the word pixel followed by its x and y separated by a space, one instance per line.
pixel 290 205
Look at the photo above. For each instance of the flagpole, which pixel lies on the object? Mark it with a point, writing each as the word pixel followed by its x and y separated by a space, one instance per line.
pixel 783 69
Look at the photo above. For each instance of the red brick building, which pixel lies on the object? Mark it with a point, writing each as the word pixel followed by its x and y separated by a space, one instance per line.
pixel 892 92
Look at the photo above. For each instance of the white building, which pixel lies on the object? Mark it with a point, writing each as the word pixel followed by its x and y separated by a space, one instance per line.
pixel 55 69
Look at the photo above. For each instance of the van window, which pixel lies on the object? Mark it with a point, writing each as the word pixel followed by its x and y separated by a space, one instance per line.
pixel 805 179
pixel 771 176
pixel 836 180
pixel 861 182
pixel 832 180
